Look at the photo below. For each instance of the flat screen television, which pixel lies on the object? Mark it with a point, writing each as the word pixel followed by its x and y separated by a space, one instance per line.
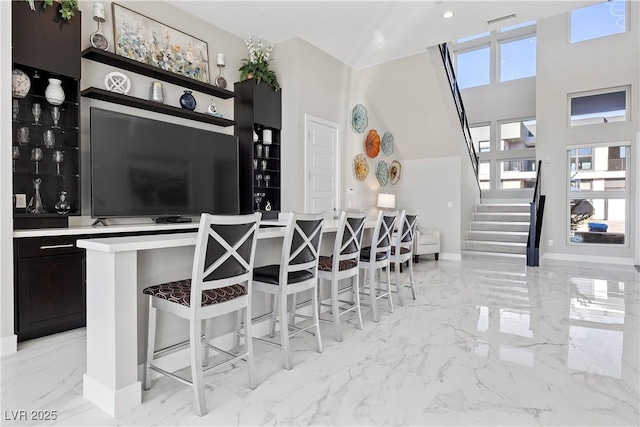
pixel 150 168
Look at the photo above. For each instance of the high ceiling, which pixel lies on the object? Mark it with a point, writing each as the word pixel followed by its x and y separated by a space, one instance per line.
pixel 366 33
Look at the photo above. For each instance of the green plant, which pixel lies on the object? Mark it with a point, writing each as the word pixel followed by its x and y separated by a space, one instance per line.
pixel 257 64
pixel 67 7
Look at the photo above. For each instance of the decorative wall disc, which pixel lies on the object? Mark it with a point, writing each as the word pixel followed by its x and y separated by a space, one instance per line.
pixel 382 173
pixel 372 143
pixel 359 119
pixel 360 167
pixel 117 82
pixel 395 171
pixel 387 143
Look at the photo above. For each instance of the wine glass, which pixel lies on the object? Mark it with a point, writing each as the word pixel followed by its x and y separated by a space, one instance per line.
pixel 49 138
pixel 36 156
pixel 264 164
pixel 258 198
pixel 58 157
pixel 15 155
pixel 15 109
pixel 36 110
pixel 55 115
pixel 258 178
pixel 267 178
pixel 23 135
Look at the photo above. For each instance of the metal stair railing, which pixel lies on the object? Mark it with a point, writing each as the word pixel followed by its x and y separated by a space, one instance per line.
pixel 462 115
pixel 536 211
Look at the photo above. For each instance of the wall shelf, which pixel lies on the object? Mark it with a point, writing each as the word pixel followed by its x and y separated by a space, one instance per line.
pixel 137 67
pixel 131 101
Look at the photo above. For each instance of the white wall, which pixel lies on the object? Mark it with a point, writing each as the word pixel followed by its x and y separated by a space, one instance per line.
pixel 7 338
pixel 565 68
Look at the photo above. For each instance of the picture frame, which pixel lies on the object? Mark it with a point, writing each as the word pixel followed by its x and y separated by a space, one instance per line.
pixel 146 40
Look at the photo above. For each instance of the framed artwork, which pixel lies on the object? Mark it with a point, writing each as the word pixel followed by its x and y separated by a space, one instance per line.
pixel 143 39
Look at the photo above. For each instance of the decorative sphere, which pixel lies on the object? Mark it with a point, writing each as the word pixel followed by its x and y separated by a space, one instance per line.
pixel 20 83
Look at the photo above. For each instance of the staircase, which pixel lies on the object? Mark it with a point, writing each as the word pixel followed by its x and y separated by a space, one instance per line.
pixel 499 230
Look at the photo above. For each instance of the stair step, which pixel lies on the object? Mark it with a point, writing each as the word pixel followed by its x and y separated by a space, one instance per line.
pixel 498 236
pixel 501 207
pixel 499 226
pixel 499 247
pixel 487 257
pixel 502 217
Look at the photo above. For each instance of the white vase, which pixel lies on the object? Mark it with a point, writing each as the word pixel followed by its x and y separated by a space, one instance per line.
pixel 54 93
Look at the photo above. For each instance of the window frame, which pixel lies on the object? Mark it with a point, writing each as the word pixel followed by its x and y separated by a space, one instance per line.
pixel 499 138
pixel 484 45
pixel 504 40
pixel 627 14
pixel 627 103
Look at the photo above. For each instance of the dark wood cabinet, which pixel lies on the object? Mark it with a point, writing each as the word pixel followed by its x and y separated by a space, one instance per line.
pixel 258 109
pixel 46 46
pixel 49 286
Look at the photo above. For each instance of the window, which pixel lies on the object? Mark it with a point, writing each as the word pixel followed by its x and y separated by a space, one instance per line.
pixel 598 194
pixel 518 135
pixel 517 174
pixel 473 67
pixel 474 37
pixel 516 26
pixel 598 107
pixel 481 136
pixel 599 20
pixel 518 59
pixel 484 170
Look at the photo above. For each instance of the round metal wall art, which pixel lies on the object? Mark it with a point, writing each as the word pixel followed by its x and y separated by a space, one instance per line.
pixel 395 171
pixel 372 143
pixel 359 119
pixel 382 173
pixel 387 143
pixel 360 167
pixel 117 82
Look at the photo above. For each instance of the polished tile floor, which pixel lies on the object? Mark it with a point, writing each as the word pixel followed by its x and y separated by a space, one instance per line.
pixel 483 344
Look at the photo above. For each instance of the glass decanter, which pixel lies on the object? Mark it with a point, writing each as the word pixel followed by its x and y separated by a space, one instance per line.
pixel 62 206
pixel 35 204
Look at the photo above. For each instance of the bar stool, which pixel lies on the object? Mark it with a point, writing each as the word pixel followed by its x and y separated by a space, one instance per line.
pixel 376 257
pixel 402 251
pixel 220 283
pixel 344 264
pixel 297 272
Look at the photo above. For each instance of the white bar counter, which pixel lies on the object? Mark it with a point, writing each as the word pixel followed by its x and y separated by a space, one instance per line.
pixel 118 268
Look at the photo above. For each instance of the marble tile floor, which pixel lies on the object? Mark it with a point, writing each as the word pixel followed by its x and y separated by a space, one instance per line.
pixel 484 344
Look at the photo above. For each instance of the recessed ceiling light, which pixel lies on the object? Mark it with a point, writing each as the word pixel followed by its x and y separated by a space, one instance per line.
pixel 448 14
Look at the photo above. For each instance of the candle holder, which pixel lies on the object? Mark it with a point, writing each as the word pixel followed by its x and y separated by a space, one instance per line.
pixel 220 81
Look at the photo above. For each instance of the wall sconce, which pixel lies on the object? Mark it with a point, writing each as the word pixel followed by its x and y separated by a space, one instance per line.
pixel 386 201
pixel 98 40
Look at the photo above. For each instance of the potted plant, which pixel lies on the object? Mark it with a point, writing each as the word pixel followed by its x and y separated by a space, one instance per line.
pixel 67 7
pixel 257 65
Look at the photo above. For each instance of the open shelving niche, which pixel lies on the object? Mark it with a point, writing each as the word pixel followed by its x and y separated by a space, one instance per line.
pixel 133 66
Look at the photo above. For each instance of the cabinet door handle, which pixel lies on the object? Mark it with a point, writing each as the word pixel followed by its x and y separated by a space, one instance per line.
pixel 67 245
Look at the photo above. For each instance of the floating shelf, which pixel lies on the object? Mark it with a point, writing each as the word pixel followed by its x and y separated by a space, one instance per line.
pixel 131 101
pixel 137 67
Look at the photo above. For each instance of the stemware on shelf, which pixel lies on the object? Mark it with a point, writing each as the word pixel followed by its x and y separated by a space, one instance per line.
pixel 258 198
pixel 23 135
pixel 58 157
pixel 15 155
pixel 55 115
pixel 267 178
pixel 36 110
pixel 258 150
pixel 36 156
pixel 49 138
pixel 266 150
pixel 258 178
pixel 264 164
pixel 15 109
pixel 255 163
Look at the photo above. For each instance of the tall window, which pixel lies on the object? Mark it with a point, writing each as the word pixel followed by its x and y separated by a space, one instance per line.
pixel 518 135
pixel 518 59
pixel 598 194
pixel 599 20
pixel 598 107
pixel 473 67
pixel 481 136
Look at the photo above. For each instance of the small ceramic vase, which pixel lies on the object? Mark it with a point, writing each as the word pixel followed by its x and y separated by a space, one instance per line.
pixel 187 101
pixel 54 93
pixel 20 83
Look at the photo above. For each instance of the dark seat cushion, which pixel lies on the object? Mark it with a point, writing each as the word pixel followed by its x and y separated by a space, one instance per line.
pixel 403 250
pixel 326 262
pixel 180 293
pixel 365 254
pixel 271 274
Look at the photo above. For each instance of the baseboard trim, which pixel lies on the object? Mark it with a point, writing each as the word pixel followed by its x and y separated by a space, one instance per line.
pixel 8 345
pixel 587 258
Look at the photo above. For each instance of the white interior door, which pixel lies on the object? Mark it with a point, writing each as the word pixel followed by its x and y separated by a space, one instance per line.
pixel 321 189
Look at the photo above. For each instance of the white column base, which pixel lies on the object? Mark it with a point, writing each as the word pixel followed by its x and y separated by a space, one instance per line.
pixel 113 402
pixel 8 345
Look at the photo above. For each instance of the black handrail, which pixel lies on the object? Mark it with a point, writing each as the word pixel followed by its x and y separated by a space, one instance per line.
pixel 462 115
pixel 536 212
